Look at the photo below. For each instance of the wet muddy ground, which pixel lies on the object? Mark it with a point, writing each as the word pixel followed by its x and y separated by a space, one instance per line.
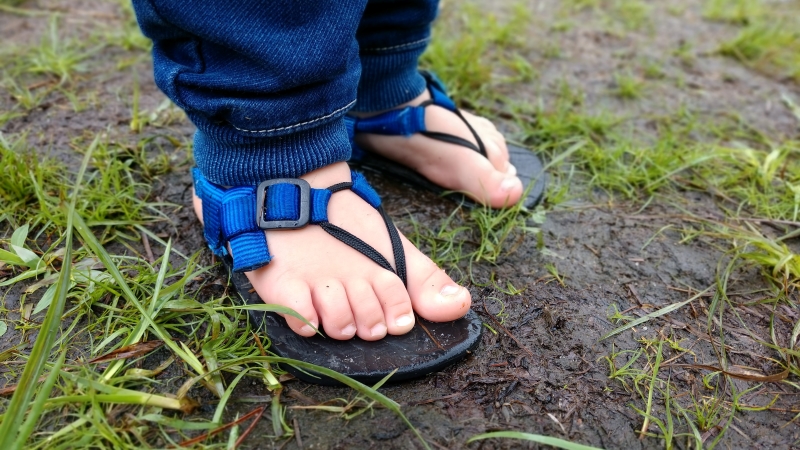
pixel 542 369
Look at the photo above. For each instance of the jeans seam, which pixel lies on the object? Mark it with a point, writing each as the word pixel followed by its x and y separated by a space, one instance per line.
pixel 394 47
pixel 288 127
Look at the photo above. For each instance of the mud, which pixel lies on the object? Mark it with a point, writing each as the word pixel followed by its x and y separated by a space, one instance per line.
pixel 542 370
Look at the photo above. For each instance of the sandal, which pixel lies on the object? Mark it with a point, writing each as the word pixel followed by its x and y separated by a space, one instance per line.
pixel 238 216
pixel 411 120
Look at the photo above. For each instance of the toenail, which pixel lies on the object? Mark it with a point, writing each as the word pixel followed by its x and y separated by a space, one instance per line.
pixel 450 289
pixel 404 320
pixel 448 293
pixel 509 184
pixel 349 330
pixel 511 170
pixel 378 330
pixel 309 329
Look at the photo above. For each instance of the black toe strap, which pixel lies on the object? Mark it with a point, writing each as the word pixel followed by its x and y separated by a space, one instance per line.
pixel 453 139
pixel 362 247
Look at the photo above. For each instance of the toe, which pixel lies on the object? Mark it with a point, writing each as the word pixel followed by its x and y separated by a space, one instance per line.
pixel 366 309
pixel 494 141
pixel 394 301
pixel 330 301
pixel 497 156
pixel 294 294
pixel 493 187
pixel 434 294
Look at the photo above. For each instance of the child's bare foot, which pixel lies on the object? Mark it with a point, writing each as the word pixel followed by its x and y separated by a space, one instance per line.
pixel 490 182
pixel 333 285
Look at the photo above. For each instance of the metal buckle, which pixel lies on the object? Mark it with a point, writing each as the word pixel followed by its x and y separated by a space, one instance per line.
pixel 305 205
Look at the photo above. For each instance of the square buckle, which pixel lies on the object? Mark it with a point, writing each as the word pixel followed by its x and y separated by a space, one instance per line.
pixel 305 205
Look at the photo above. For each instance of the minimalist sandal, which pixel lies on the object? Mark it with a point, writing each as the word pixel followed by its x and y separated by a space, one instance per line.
pixel 411 120
pixel 238 216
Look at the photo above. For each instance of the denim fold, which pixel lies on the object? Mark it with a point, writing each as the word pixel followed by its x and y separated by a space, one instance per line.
pixel 268 83
pixel 392 36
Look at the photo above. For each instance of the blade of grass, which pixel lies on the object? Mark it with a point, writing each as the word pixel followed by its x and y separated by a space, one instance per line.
pixel 39 402
pixel 654 314
pixel 648 412
pixel 113 394
pixel 345 380
pixel 546 440
pixel 10 431
pixel 226 396
pixel 97 248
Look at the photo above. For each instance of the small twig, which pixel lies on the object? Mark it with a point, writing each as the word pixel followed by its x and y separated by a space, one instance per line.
pixel 596 253
pixel 204 436
pixel 633 293
pixel 505 330
pixel 297 395
pixel 739 373
pixel 40 84
pixel 250 428
pixel 147 250
pixel 419 322
pixel 297 433
pixel 260 346
pixel 692 291
pixel 553 418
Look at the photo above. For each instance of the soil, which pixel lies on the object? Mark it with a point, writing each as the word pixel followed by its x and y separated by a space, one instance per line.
pixel 543 370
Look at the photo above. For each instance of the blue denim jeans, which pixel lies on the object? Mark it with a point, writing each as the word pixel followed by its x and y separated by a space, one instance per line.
pixel 268 83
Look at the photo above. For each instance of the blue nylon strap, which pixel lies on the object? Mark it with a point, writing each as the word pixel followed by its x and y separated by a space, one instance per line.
pixel 357 153
pixel 250 251
pixel 364 190
pixel 440 98
pixel 283 202
pixel 238 211
pixel 211 196
pixel 319 205
pixel 438 91
pixel 230 215
pixel 401 122
pixel 434 81
pixel 239 227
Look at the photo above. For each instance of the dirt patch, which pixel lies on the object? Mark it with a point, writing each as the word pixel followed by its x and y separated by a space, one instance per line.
pixel 541 366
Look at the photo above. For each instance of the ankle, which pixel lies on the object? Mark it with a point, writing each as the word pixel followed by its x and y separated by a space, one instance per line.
pixel 338 172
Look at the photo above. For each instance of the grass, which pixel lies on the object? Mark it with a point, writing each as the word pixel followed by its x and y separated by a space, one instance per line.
pixel 619 16
pixel 476 47
pixel 128 344
pixel 628 87
pixel 768 40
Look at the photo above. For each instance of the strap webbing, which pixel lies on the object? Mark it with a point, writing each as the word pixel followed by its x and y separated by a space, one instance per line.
pixel 411 120
pixel 230 217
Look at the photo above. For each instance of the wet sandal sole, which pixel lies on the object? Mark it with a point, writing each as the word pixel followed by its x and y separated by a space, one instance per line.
pixel 429 347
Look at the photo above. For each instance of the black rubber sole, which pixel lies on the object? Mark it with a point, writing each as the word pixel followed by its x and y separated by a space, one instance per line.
pixel 429 347
pixel 529 169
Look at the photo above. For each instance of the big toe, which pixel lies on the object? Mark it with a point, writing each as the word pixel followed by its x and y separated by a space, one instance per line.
pixel 434 295
pixel 494 188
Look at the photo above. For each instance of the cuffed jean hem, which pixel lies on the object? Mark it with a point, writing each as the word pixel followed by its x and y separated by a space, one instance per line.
pixel 389 76
pixel 230 159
